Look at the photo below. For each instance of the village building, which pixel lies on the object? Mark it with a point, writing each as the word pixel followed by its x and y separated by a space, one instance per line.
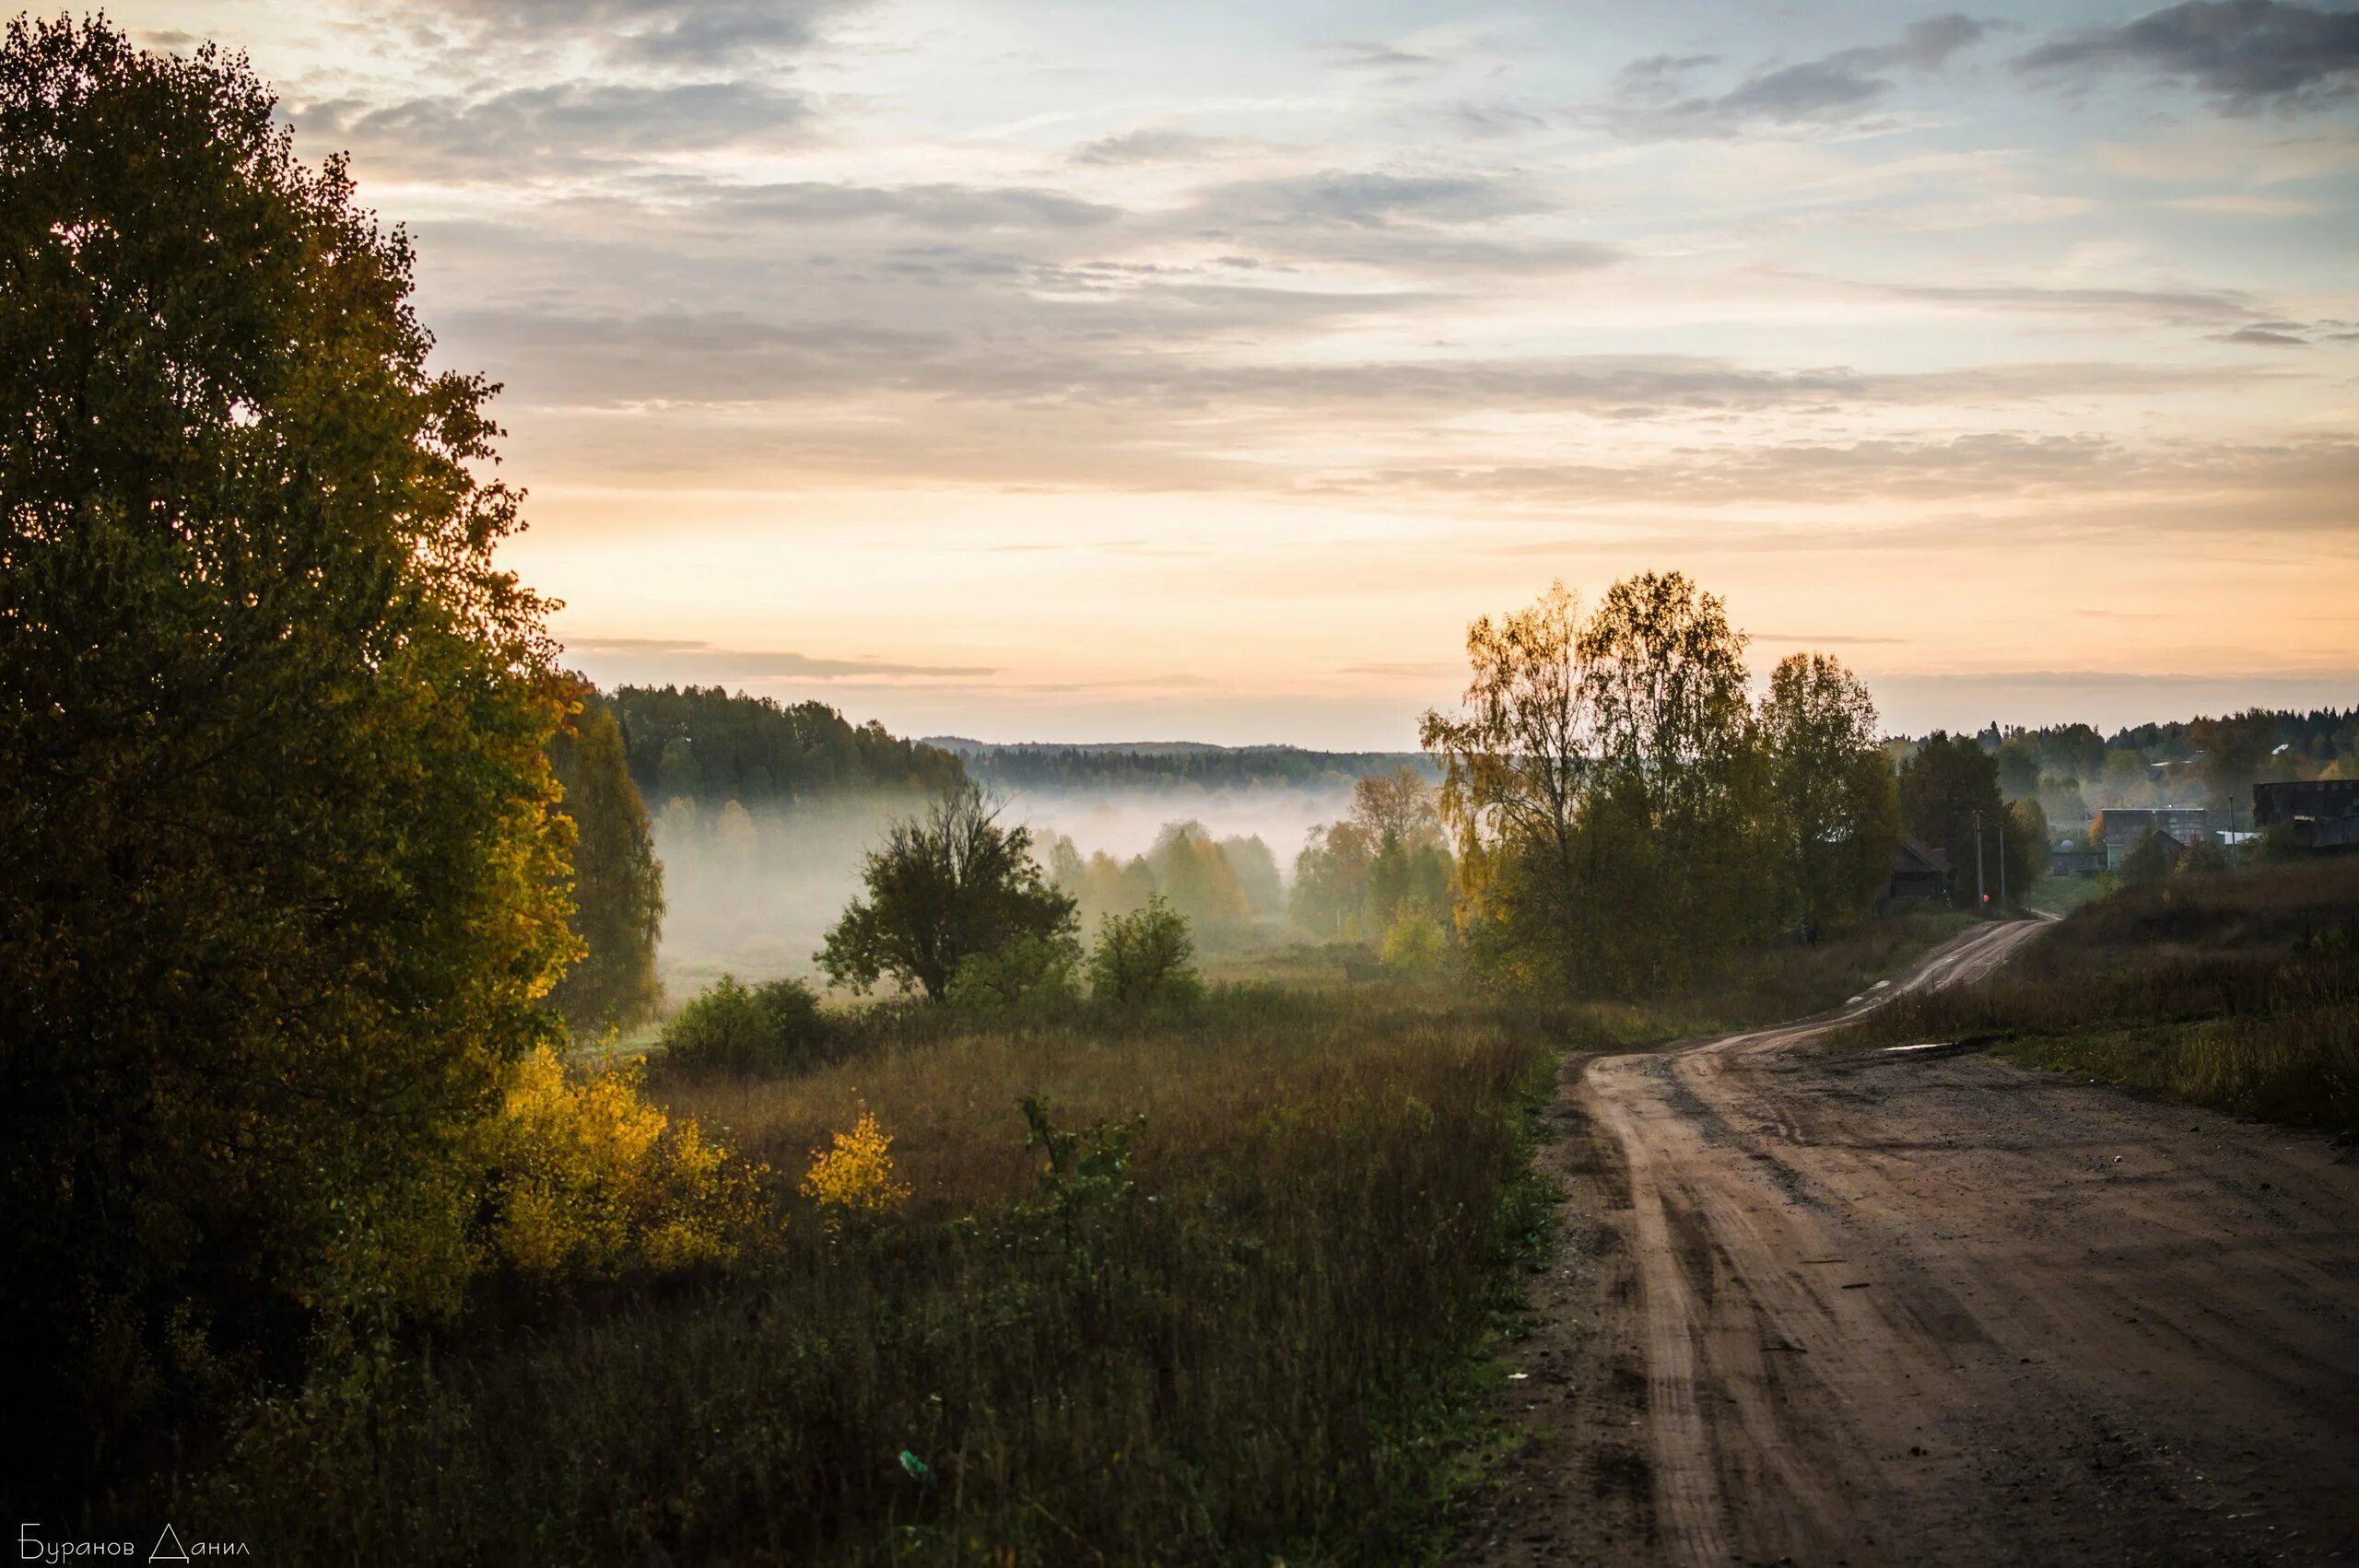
pixel 2067 859
pixel 2117 830
pixel 1920 874
pixel 2320 813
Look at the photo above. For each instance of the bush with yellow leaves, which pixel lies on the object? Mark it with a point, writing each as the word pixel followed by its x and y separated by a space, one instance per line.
pixel 853 1182
pixel 587 1178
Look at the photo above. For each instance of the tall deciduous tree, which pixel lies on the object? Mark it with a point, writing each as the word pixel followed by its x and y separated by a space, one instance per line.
pixel 1516 771
pixel 280 887
pixel 1685 778
pixel 1833 785
pixel 1330 896
pixel 1192 872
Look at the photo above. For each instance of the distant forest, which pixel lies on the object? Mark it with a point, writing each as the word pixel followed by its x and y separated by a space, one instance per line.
pixel 705 744
pixel 709 744
pixel 1149 765
pixel 2074 770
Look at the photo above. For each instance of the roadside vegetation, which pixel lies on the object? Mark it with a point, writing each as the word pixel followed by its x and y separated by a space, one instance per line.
pixel 1203 1286
pixel 2238 991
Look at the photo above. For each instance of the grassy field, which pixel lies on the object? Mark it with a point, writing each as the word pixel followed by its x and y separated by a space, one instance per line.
pixel 1225 1293
pixel 2236 992
pixel 1247 1327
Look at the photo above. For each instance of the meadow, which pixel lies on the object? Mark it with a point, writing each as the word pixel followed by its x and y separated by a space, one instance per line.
pixel 1206 1284
pixel 2238 992
pixel 1229 1305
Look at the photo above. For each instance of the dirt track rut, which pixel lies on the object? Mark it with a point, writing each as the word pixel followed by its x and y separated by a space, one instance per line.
pixel 1928 1307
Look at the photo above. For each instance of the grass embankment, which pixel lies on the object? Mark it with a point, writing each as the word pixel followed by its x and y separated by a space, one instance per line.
pixel 2062 895
pixel 2239 992
pixel 1248 1329
pixel 1790 980
pixel 1784 980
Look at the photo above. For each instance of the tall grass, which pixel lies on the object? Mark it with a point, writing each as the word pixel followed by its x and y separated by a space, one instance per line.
pixel 1246 1330
pixel 2236 991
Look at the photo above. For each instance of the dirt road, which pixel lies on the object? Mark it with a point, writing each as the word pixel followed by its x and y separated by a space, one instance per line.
pixel 1928 1307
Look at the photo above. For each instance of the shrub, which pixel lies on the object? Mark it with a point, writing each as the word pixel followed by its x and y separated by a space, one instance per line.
pixel 774 1027
pixel 2146 861
pixel 1415 943
pixel 1031 977
pixel 853 1182
pixel 2204 858
pixel 586 1178
pixel 1143 959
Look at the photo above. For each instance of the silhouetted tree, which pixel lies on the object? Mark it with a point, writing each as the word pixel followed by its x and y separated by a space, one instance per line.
pixel 1684 783
pixel 1942 788
pixel 944 887
pixel 707 744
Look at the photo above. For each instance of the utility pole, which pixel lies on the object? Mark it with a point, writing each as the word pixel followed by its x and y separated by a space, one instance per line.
pixel 2002 864
pixel 1981 899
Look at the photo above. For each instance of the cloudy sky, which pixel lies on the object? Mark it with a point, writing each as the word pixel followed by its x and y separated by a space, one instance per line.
pixel 1105 372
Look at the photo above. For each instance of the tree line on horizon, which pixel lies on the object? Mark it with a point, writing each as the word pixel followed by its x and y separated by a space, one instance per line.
pixel 707 744
pixel 710 746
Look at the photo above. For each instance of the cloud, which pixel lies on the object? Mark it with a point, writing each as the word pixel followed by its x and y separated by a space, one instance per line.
pixel 1816 89
pixel 1653 101
pixel 1927 45
pixel 2236 315
pixel 1365 200
pixel 941 207
pixel 1652 72
pixel 2246 207
pixel 690 661
pixel 1157 145
pixel 2171 307
pixel 672 32
pixel 1414 669
pixel 569 125
pixel 2246 55
pixel 1348 56
pixel 2000 491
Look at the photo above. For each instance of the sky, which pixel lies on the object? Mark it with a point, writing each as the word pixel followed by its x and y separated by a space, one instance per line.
pixel 1062 371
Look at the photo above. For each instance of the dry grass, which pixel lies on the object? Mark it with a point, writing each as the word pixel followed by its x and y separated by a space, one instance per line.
pixel 1245 1324
pixel 1256 1339
pixel 1213 1089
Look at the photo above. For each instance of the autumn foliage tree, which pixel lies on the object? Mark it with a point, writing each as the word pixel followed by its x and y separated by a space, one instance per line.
pixel 1624 817
pixel 1516 768
pixel 1842 815
pixel 281 888
pixel 1682 818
